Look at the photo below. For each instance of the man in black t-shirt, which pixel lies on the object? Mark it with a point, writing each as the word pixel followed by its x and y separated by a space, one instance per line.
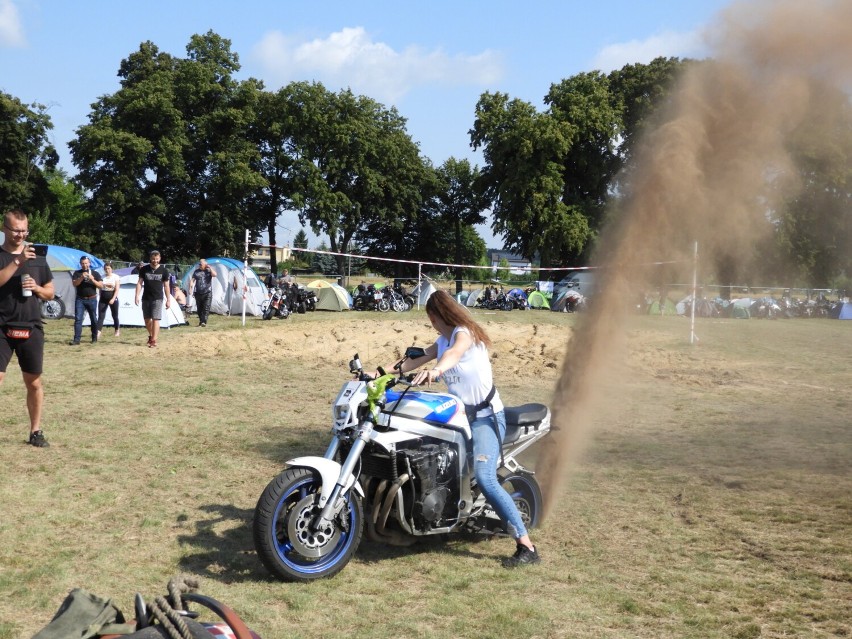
pixel 87 282
pixel 201 283
pixel 21 331
pixel 154 278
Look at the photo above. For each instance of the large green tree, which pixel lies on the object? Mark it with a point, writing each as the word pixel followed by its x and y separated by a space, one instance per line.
pixel 458 206
pixel 65 219
pixel 276 135
pixel 26 154
pixel 551 175
pixel 522 177
pixel 358 167
pixel 166 158
pixel 814 228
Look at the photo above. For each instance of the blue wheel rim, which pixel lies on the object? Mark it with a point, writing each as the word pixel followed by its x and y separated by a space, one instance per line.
pixel 285 550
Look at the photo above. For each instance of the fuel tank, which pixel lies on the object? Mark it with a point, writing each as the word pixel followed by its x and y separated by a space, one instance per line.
pixel 437 408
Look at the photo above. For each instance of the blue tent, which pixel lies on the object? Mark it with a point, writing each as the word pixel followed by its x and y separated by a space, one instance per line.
pixel 63 258
pixel 845 311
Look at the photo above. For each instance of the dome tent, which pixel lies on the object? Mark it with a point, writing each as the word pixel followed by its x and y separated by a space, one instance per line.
pixel 330 297
pixel 227 298
pixel 65 258
pixel 130 314
pixel 537 299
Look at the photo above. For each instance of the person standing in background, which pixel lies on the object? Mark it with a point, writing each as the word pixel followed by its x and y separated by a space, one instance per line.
pixel 154 278
pixel 25 281
pixel 87 282
pixel 201 284
pixel 109 299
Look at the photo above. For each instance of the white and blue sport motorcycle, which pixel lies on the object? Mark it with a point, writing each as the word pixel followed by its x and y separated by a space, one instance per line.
pixel 398 468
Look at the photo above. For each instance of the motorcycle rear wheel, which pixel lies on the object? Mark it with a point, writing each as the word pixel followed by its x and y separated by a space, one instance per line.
pixel 384 305
pixel 284 541
pixel 526 493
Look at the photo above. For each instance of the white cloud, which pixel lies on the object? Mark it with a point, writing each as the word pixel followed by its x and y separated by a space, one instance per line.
pixel 666 44
pixel 11 30
pixel 350 58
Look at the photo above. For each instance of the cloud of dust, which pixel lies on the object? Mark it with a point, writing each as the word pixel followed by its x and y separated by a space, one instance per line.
pixel 709 172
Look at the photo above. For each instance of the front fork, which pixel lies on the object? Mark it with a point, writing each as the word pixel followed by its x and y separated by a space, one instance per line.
pixel 335 500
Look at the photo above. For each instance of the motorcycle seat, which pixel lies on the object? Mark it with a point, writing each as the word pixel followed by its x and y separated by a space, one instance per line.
pixel 520 419
pixel 525 414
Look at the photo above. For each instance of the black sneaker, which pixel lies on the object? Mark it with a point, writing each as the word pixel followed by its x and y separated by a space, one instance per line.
pixel 37 439
pixel 74 343
pixel 523 557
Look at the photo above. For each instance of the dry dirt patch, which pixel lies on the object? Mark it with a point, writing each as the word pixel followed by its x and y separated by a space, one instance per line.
pixel 535 350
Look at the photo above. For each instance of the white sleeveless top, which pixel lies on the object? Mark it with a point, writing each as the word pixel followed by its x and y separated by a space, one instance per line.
pixel 471 379
pixel 111 283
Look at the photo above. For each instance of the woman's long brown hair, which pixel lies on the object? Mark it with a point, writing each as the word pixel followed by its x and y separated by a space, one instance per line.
pixel 443 306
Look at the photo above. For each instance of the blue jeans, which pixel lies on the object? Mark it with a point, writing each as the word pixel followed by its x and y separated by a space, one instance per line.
pixel 486 457
pixel 89 306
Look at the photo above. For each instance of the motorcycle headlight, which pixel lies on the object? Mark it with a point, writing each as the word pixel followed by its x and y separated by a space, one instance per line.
pixel 341 413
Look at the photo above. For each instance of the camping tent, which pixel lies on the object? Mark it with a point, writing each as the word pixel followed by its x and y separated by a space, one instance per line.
pixel 668 307
pixel 537 299
pixel 330 297
pixel 844 311
pixel 63 261
pixel 474 295
pixel 129 314
pixel 227 298
pixel 423 291
pixel 63 258
pixel 568 300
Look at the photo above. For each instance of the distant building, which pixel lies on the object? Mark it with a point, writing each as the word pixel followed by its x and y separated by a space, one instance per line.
pixel 517 265
pixel 260 256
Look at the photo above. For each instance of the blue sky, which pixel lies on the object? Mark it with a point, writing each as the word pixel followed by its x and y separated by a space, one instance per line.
pixel 432 60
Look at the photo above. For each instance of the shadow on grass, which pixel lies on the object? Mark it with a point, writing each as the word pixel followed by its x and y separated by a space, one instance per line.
pixel 222 549
pixel 221 546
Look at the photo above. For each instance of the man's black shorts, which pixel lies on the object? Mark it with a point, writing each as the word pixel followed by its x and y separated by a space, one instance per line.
pixel 30 351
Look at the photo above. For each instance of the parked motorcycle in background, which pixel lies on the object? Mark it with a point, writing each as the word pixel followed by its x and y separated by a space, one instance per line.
pixel 53 309
pixel 369 299
pixel 277 305
pixel 394 299
pixel 302 299
pixel 399 468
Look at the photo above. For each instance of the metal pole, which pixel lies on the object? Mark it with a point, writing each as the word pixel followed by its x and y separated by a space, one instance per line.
pixel 692 337
pixel 419 283
pixel 245 276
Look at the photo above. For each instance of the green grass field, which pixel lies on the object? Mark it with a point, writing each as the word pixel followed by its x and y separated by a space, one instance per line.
pixel 710 498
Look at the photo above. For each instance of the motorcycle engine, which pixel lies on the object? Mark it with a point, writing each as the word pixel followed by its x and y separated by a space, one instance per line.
pixel 433 467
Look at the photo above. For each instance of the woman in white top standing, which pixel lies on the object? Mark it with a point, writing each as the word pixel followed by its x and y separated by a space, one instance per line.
pixel 461 352
pixel 109 299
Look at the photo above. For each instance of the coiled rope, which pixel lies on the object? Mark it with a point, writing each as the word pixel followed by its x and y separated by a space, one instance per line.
pixel 165 610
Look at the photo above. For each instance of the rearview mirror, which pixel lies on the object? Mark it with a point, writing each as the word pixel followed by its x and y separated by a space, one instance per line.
pixel 413 352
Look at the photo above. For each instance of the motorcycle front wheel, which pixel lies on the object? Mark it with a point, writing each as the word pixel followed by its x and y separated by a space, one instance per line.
pixel 284 538
pixel 525 492
pixel 269 312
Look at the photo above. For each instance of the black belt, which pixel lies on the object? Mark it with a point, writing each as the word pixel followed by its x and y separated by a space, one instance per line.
pixel 88 297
